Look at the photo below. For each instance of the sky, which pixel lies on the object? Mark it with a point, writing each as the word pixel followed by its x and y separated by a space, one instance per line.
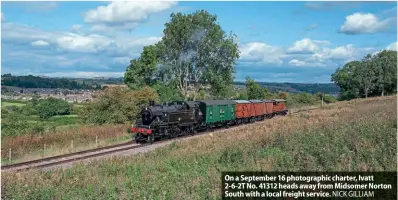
pixel 302 42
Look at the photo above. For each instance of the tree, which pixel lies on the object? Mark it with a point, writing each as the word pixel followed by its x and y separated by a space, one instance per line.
pixel 365 75
pixel 195 52
pixel 47 108
pixel 283 95
pixel 373 75
pixel 344 78
pixel 254 90
pixel 140 71
pixel 167 91
pixel 386 68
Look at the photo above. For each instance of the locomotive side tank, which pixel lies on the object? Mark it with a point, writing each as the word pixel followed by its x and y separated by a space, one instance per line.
pixel 167 121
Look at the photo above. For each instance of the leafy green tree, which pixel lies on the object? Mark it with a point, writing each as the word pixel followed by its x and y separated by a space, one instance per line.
pixel 344 78
pixel 386 68
pixel 254 90
pixel 283 95
pixel 373 75
pixel 47 108
pixel 365 75
pixel 140 71
pixel 196 52
pixel 167 91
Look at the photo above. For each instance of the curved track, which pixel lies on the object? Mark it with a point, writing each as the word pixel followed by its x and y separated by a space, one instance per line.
pixel 91 153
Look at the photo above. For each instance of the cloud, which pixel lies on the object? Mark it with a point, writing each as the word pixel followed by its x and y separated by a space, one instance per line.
pixel 39 43
pixel 2 17
pixel 80 43
pixel 361 23
pixel 261 53
pixel 67 52
pixel 306 46
pixel 341 53
pixel 76 42
pixel 311 27
pixel 124 14
pixel 318 5
pixel 35 7
pixel 297 62
pixel 303 53
pixel 322 6
pixel 392 46
pixel 41 6
pixel 122 60
pixel 76 27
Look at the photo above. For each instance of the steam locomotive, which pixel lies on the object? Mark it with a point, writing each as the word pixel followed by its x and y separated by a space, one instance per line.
pixel 179 118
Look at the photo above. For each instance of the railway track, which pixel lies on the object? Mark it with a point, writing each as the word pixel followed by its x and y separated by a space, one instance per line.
pixel 65 158
pixel 97 152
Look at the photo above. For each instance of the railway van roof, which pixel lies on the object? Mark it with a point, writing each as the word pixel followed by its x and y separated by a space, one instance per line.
pixel 241 101
pixel 267 100
pixel 279 100
pixel 218 102
pixel 256 101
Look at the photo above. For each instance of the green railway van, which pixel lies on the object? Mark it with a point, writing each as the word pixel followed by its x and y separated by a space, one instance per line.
pixel 217 111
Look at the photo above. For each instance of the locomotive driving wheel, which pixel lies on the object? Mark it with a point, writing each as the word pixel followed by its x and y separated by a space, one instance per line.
pixel 151 138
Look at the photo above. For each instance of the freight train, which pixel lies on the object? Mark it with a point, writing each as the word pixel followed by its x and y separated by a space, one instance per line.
pixel 180 118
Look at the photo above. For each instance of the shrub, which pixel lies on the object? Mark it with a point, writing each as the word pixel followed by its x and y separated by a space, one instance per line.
pixel 47 108
pixel 329 99
pixel 116 106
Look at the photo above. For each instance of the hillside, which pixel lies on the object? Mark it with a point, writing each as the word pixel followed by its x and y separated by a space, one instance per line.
pixel 43 82
pixel 357 135
pixel 312 88
pixel 90 83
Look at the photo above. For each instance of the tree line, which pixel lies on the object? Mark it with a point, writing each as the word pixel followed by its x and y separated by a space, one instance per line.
pixel 253 90
pixel 39 82
pixel 374 75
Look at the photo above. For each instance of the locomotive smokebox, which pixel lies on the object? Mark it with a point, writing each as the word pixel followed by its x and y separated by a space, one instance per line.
pixel 151 103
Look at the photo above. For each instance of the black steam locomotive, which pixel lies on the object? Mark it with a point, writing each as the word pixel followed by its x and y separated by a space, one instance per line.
pixel 168 120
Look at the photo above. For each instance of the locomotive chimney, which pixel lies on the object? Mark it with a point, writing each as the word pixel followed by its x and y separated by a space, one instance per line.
pixel 151 103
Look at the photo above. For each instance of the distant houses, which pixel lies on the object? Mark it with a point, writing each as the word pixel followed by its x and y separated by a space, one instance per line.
pixel 72 96
pixel 113 85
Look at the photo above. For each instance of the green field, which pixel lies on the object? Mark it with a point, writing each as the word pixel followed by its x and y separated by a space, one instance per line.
pixel 6 103
pixel 358 135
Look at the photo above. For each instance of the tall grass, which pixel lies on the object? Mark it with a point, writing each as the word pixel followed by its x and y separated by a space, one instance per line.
pixel 348 136
pixel 60 138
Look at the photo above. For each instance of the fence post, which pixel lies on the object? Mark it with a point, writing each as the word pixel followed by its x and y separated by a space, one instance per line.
pixel 71 145
pixel 44 152
pixel 9 156
pixel 322 100
pixel 96 141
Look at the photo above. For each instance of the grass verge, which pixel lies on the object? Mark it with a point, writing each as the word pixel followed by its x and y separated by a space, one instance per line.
pixel 29 147
pixel 349 136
